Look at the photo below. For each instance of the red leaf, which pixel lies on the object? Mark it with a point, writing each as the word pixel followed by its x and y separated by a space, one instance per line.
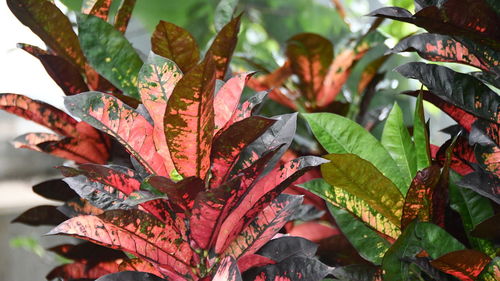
pixel 39 112
pixel 264 227
pixel 249 261
pixel 123 16
pixel 310 56
pixel 464 264
pixel 228 145
pixel 66 75
pixel 227 99
pixel 313 231
pixel 258 196
pixel 182 193
pixel 418 201
pixel 223 46
pixel 209 211
pixel 81 270
pixel 51 25
pixel 113 117
pixel 490 158
pixel 245 110
pixel 227 271
pixel 189 121
pixel 138 264
pixel 462 157
pixel 135 232
pixel 175 43
pixel 157 79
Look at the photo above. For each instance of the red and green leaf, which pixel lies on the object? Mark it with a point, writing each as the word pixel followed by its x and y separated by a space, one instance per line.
pixel 223 47
pixel 310 56
pixel 466 265
pixel 157 80
pixel 135 232
pixel 227 271
pixel 182 193
pixel 294 269
pixel 177 44
pixel 39 112
pixel 123 15
pixel 101 9
pixel 66 75
pixel 489 157
pixel 189 121
pixel 264 226
pixel 228 145
pixel 227 99
pixel 418 201
pixel 245 109
pixel 51 25
pixel 113 117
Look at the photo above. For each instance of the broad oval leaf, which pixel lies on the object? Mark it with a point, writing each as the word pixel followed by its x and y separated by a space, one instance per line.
pixel 397 141
pixel 109 52
pixel 483 183
pixel 310 55
pixel 282 248
pixel 463 264
pixel 54 190
pixel 175 43
pixel 294 268
pixel 189 120
pixel 461 90
pixel 113 117
pixel 353 174
pixel 341 135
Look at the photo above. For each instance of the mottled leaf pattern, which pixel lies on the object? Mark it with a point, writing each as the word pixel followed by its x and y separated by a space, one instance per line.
pixel 175 43
pixel 81 270
pixel 464 264
pixel 189 120
pixel 113 117
pixel 227 271
pixel 123 15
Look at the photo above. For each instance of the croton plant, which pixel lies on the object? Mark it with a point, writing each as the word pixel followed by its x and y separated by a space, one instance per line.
pixel 173 177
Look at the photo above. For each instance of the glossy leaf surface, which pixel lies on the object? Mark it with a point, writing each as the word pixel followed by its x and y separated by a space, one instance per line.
pixel 421 136
pixel 175 43
pixel 41 215
pixel 341 135
pixel 223 46
pixel 483 183
pixel 109 52
pixel 464 264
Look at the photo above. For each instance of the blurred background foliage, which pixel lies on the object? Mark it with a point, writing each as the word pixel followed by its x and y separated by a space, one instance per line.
pixel 268 24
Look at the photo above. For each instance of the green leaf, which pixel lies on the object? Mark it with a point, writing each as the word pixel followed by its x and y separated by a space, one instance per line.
pixel 418 236
pixel 421 136
pixel 396 139
pixel 339 197
pixel 367 242
pixel 341 135
pixel 109 52
pixel 224 13
pixel 361 179
pixel 473 209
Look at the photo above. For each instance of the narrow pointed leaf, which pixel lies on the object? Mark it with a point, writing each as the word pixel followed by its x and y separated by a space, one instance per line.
pixel 39 112
pixel 227 271
pixel 87 251
pixel 464 264
pixel 421 136
pixel 54 190
pixel 132 231
pixel 310 55
pixel 81 270
pixel 341 135
pixel 245 109
pixel 175 43
pixel 66 75
pixel 109 52
pixel 466 92
pixel 341 198
pixel 264 227
pixel 51 25
pixel 367 242
pixel 396 139
pixel 418 201
pixel 344 170
pixel 111 116
pixel 223 46
pixel 228 145
pixel 227 99
pixel 443 48
pixel 259 194
pixel 41 215
pixel 123 15
pixel 157 79
pixel 101 9
pixel 189 121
